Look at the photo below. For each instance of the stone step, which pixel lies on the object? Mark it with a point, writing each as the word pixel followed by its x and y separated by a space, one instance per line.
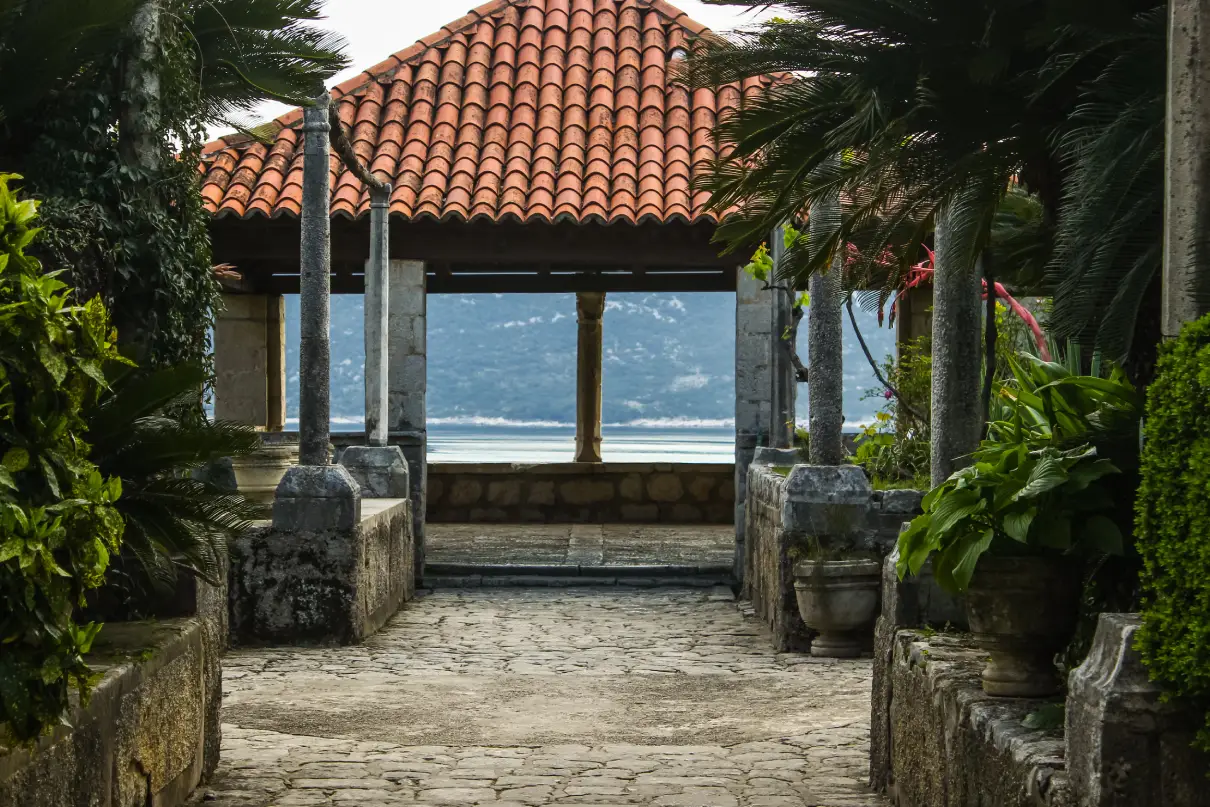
pixel 472 575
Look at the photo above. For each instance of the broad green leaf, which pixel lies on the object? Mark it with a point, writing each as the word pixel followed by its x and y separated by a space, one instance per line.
pixel 1047 475
pixel 1102 533
pixel 952 508
pixel 1016 525
pixel 15 460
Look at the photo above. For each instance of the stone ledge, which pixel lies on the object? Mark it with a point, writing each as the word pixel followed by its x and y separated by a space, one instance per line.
pixel 952 745
pixel 325 587
pixel 577 468
pixel 143 738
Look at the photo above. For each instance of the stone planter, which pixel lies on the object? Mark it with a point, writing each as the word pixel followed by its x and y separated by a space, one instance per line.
pixel 1023 610
pixel 839 599
pixel 259 473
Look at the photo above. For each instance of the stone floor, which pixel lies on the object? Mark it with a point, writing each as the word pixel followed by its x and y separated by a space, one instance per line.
pixel 510 697
pixel 581 544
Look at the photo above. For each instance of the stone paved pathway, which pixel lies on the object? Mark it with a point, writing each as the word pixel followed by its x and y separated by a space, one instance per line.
pixel 547 697
pixel 581 544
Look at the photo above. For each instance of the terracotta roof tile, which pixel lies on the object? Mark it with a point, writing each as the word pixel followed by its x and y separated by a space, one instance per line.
pixel 533 109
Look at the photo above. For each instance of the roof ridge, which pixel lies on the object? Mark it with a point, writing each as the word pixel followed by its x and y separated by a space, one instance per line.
pixel 420 46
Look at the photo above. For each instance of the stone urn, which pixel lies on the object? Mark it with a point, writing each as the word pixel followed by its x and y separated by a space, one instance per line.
pixel 1023 610
pixel 257 474
pixel 839 600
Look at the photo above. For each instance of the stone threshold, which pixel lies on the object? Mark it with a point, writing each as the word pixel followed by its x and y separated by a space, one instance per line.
pixel 474 575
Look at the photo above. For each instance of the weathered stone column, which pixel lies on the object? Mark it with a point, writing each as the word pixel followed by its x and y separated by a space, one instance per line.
pixel 138 130
pixel 590 309
pixel 825 352
pixel 250 361
pixel 957 324
pixel 315 496
pixel 1187 166
pixel 782 395
pixel 753 383
pixel 380 469
pixel 407 383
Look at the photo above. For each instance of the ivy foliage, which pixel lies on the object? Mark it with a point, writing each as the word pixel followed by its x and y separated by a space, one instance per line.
pixel 58 524
pixel 1173 521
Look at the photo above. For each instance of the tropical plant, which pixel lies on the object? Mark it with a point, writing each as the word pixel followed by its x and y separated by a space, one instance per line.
pixel 1173 522
pixel 58 523
pixel 894 450
pixel 1038 482
pixel 143 433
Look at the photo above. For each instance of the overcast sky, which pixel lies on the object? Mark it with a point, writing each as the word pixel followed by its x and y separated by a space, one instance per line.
pixel 377 28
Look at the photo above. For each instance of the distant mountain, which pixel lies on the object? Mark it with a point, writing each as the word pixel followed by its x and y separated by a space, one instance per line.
pixel 667 358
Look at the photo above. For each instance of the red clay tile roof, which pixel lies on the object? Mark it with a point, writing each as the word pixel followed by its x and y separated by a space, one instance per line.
pixel 545 110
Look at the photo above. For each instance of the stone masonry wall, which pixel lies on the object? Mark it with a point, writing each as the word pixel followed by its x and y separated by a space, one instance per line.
pixel 592 493
pixel 148 734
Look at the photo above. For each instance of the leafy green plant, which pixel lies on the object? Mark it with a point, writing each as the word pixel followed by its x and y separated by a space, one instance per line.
pixel 1037 484
pixel 143 434
pixel 1173 522
pixel 894 450
pixel 58 523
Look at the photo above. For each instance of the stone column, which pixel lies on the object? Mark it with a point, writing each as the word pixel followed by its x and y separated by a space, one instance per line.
pixel 590 309
pixel 1187 166
pixel 250 361
pixel 784 383
pixel 315 496
pixel 753 383
pixel 407 383
pixel 380 469
pixel 913 315
pixel 957 360
pixel 825 352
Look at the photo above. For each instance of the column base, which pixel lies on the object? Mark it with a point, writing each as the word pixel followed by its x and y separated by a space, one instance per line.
pixel 381 471
pixel 314 498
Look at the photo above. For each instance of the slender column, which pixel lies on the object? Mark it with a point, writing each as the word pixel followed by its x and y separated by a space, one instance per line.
pixel 376 314
pixel 408 384
pixel 753 383
pixel 957 360
pixel 315 287
pixel 590 308
pixel 249 361
pixel 825 351
pixel 784 383
pixel 1187 166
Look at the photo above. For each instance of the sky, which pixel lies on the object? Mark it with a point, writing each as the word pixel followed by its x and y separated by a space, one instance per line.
pixel 375 29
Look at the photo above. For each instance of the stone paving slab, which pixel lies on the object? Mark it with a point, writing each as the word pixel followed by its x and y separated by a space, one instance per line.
pixel 506 697
pixel 580 545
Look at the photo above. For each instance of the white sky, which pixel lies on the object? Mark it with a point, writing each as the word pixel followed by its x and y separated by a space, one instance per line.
pixel 377 28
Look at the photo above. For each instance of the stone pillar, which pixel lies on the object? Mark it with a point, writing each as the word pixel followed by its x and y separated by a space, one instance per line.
pixel 1187 166
pixel 407 383
pixel 782 395
pixel 913 314
pixel 315 496
pixel 753 383
pixel 250 360
pixel 1125 745
pixel 957 361
pixel 590 309
pixel 381 470
pixel 825 352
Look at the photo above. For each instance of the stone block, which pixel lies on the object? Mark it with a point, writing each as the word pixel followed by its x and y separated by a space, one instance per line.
pixel 436 489
pixel 702 488
pixel 1125 746
pixel 641 513
pixel 313 498
pixel 780 457
pixel 541 493
pixel 586 491
pixel 380 471
pixel 631 488
pixel 900 502
pixel 685 513
pixel 504 493
pixel 322 586
pixel 665 488
pixel 465 491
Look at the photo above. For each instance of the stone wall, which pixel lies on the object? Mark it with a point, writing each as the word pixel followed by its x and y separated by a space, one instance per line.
pixel 592 493
pixel 791 507
pixel 148 736
pixel 333 586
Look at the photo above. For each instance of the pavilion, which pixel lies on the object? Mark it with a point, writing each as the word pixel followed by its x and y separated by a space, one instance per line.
pixel 531 146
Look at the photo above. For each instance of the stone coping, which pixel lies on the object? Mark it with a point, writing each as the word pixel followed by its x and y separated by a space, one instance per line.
pixel 953 744
pixel 371 509
pixel 574 468
pixel 142 736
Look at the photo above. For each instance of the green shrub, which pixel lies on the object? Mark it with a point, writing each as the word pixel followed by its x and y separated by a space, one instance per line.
pixel 58 525
pixel 1173 521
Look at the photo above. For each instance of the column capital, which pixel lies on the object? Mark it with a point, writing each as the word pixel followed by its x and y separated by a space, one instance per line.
pixel 590 305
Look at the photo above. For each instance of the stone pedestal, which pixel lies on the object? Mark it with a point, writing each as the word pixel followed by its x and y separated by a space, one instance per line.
pixel 380 471
pixel 250 361
pixel 1126 747
pixel 590 309
pixel 314 498
pixel 753 383
pixel 407 383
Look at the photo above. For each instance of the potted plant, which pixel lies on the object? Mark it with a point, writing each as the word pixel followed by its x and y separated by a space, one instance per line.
pixel 1010 530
